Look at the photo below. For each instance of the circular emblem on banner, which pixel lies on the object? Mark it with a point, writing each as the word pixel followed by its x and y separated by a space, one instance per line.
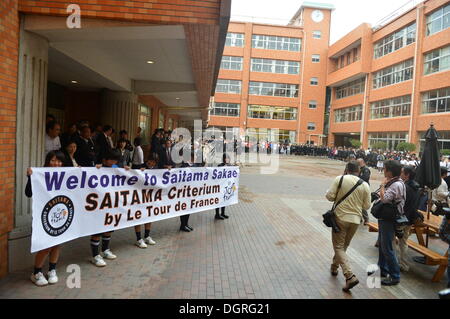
pixel 57 215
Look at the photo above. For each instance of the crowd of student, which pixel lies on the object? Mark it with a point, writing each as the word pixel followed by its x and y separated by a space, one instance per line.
pixel 84 146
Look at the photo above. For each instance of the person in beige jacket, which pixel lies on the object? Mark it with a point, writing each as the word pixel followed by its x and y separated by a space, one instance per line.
pixel 348 217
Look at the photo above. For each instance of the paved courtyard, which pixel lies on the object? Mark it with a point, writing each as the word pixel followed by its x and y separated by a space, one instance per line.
pixel 273 246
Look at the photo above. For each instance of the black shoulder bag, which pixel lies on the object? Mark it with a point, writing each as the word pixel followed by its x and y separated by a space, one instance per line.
pixel 329 218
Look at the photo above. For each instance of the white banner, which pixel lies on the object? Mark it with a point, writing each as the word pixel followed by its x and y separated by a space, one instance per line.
pixel 69 203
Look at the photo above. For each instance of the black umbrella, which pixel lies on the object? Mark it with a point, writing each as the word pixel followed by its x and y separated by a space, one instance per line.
pixel 429 172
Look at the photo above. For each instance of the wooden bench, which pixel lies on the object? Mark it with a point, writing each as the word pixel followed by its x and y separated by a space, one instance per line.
pixel 373 227
pixel 431 257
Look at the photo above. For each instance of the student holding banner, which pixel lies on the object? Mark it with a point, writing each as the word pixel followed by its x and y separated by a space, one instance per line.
pixel 53 159
pixel 110 160
pixel 142 243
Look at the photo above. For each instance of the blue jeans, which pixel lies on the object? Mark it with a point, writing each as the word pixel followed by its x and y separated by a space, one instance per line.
pixel 448 268
pixel 387 260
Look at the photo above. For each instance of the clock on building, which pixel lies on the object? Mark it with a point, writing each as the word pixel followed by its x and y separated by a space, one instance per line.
pixel 317 15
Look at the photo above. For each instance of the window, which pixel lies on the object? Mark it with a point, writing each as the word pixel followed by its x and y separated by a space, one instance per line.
pixel 355 54
pixel 272 112
pixel 395 41
pixel 312 104
pixel 436 101
pixel 443 141
pixel 399 106
pixel 348 114
pixel 144 122
pixel 349 89
pixel 437 60
pixel 254 135
pixel 228 86
pixel 225 109
pixel 314 81
pixel 273 89
pixel 234 40
pixel 170 124
pixel 311 126
pixel 231 63
pixel 217 132
pixel 317 34
pixel 439 20
pixel 276 43
pixel 316 58
pixel 394 74
pixel 161 119
pixel 390 138
pixel 275 66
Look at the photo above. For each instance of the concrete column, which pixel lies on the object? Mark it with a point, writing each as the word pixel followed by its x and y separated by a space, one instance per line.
pixel 121 111
pixel 30 133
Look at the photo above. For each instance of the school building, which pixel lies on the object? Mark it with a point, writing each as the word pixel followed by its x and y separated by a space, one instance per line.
pixel 272 80
pixel 130 64
pixel 391 81
pixel 377 83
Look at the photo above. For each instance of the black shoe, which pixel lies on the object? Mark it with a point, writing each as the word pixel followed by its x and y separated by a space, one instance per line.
pixel 225 216
pixel 185 229
pixel 190 227
pixel 219 217
pixel 390 282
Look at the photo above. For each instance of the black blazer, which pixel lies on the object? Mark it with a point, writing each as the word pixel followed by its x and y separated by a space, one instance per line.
pixel 164 159
pixel 125 159
pixel 103 147
pixel 85 154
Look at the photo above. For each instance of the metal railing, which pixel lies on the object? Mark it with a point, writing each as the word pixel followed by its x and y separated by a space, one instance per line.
pixel 395 14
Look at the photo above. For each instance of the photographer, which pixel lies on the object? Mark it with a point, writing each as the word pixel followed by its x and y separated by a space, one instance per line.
pixel 444 234
pixel 393 191
pixel 414 217
pixel 348 217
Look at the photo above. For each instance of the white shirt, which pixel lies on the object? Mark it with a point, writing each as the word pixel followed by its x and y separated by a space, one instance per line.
pixel 440 194
pixel 138 156
pixel 52 144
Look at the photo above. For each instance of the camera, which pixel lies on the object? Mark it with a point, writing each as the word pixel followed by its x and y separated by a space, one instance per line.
pixel 374 196
pixel 440 209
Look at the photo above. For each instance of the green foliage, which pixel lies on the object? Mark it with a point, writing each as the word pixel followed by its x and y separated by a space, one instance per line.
pixel 379 146
pixel 406 147
pixel 445 152
pixel 355 143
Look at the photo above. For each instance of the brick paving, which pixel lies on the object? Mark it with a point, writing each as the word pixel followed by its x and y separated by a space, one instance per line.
pixel 273 246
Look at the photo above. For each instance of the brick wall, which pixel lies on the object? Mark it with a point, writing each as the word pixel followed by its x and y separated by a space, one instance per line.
pixel 159 11
pixel 9 34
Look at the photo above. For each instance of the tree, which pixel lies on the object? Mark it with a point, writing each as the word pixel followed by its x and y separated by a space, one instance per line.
pixel 406 147
pixel 355 143
pixel 445 152
pixel 379 145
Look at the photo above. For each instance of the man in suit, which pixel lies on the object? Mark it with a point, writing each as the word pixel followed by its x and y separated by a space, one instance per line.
pixel 103 144
pixel 86 153
pixel 365 176
pixel 165 158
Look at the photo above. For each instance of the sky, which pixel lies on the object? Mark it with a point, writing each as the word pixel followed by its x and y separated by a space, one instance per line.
pixel 348 14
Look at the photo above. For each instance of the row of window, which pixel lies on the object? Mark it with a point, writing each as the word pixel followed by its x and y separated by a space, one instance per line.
pixel 265 65
pixel 395 41
pixel 347 58
pixel 436 101
pixel 348 114
pixel 261 88
pixel 349 89
pixel 259 111
pixel 268 42
pixel 399 106
pixel 437 60
pixel 392 139
pixel 439 20
pixel 397 73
